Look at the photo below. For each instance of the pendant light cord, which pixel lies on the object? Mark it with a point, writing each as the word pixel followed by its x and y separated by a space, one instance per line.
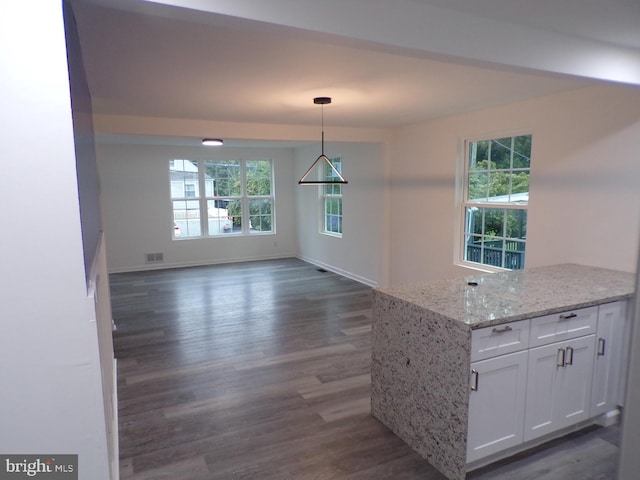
pixel 322 109
pixel 322 158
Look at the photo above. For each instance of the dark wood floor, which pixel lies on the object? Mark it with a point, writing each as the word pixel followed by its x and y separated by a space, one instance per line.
pixel 262 371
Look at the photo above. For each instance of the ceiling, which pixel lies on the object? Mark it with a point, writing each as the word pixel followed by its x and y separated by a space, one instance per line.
pixel 150 60
pixel 616 22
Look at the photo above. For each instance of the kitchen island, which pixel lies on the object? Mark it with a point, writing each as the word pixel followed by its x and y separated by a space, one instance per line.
pixel 435 347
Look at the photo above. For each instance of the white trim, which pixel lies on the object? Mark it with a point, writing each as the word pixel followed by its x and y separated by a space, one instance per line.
pixel 115 461
pixel 172 265
pixel 339 271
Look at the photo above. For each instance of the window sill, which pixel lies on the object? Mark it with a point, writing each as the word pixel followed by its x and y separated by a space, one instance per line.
pixel 477 267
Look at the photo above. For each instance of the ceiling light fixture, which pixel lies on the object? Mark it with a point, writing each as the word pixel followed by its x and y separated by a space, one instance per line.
pixel 212 142
pixel 303 181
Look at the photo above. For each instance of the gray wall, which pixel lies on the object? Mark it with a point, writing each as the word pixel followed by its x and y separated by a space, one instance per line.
pixel 138 217
pixel 86 166
pixel 362 251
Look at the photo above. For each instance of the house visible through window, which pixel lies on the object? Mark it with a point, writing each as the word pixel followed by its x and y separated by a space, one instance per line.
pixel 185 185
pixel 221 197
pixel 496 196
pixel 331 196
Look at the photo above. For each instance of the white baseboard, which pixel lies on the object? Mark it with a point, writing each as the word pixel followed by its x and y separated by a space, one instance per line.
pixel 171 265
pixel 339 271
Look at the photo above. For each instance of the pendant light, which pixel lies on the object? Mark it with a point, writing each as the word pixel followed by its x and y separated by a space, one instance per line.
pixel 322 158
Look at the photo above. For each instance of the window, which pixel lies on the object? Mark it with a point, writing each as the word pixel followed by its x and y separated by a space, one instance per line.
pixel 259 195
pixel 332 199
pixel 184 195
pixel 233 191
pixel 496 196
pixel 223 190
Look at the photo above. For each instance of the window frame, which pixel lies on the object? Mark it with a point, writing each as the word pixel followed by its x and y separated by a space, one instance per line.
pixel 464 203
pixel 326 173
pixel 204 198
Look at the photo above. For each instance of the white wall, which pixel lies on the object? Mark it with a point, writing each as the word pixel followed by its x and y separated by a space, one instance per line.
pixel 585 182
pixel 50 385
pixel 400 213
pixel 137 213
pixel 362 252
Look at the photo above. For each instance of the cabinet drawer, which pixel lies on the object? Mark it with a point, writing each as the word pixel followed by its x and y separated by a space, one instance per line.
pixel 500 339
pixel 563 326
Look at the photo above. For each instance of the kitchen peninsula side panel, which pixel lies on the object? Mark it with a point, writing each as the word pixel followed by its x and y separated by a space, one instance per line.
pixel 419 380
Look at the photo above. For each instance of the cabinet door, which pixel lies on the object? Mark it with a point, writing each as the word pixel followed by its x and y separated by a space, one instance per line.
pixel 607 373
pixel 496 404
pixel 559 386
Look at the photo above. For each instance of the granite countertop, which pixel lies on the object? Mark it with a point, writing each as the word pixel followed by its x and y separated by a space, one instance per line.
pixel 519 294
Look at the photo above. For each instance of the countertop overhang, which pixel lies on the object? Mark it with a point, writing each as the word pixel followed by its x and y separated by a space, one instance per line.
pixel 494 298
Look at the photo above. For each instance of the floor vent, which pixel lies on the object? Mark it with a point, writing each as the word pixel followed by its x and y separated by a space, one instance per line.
pixel 154 257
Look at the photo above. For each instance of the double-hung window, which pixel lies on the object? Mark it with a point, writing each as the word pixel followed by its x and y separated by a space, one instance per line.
pixel 496 197
pixel 221 197
pixel 331 197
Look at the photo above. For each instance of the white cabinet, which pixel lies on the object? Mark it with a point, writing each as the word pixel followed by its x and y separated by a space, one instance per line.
pixel 496 404
pixel 531 378
pixel 608 373
pixel 558 386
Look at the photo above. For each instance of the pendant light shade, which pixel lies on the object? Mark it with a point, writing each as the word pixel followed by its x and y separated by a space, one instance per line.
pixel 322 158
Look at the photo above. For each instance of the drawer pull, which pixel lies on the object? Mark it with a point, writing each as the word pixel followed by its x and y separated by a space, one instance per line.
pixel 567 317
pixel 474 377
pixel 560 357
pixel 506 328
pixel 569 360
pixel 601 346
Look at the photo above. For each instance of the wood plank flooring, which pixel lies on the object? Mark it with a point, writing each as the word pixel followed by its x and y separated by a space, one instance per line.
pixel 262 371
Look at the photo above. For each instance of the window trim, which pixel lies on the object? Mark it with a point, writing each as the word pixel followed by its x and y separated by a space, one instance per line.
pixel 462 185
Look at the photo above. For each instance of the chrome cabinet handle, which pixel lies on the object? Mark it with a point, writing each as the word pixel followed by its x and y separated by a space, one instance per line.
pixel 601 346
pixel 474 377
pixel 506 328
pixel 560 358
pixel 567 317
pixel 569 356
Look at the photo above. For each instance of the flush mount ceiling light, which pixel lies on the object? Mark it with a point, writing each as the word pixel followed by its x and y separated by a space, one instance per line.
pixel 212 142
pixel 322 158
